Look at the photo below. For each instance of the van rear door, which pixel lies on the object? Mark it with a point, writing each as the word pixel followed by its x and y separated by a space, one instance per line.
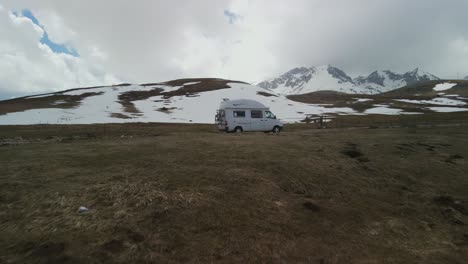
pixel 220 119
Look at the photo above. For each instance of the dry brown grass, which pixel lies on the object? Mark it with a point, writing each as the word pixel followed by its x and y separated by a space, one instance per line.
pixel 23 104
pixel 119 115
pixel 169 193
pixel 266 94
pixel 166 109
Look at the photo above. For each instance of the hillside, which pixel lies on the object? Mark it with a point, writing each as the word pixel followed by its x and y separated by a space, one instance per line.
pixel 196 101
pixel 424 97
pixel 178 101
pixel 427 89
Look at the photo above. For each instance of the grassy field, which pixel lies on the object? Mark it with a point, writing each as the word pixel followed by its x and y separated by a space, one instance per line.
pixel 161 193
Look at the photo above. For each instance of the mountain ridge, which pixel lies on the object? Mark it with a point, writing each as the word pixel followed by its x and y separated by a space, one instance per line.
pixel 302 80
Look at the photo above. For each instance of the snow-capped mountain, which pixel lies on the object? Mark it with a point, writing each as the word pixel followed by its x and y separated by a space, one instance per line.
pixel 305 80
pixel 383 81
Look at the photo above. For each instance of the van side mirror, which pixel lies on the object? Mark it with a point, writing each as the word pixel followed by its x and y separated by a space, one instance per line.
pixel 274 117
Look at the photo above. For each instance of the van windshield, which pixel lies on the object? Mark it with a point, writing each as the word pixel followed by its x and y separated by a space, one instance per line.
pixel 269 114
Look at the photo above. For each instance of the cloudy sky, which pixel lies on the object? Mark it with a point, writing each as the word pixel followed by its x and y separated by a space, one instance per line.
pixel 51 45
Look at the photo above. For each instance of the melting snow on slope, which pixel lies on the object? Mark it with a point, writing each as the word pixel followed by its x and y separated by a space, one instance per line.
pixel 198 108
pixel 39 96
pixel 59 102
pixel 444 86
pixel 435 101
pixel 191 83
pixel 447 109
pixel 201 108
pixel 383 110
pixel 93 109
pixel 359 100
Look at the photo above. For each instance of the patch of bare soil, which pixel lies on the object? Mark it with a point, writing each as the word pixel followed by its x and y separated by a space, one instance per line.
pixel 25 103
pixel 454 158
pixel 311 206
pixel 352 150
pixel 113 246
pixel 119 115
pixel 166 109
pixel 449 201
pixel 266 94
pixel 126 99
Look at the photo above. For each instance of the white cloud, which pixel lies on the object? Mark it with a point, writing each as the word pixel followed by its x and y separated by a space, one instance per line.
pixel 27 66
pixel 55 26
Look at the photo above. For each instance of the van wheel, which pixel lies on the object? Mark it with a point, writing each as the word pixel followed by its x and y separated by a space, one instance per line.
pixel 276 130
pixel 238 130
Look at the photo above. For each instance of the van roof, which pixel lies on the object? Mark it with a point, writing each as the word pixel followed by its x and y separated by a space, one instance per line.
pixel 242 104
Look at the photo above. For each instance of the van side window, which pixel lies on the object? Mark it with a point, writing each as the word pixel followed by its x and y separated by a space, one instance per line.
pixel 239 113
pixel 256 114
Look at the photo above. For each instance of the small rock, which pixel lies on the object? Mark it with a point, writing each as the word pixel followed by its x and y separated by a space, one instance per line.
pixel 83 209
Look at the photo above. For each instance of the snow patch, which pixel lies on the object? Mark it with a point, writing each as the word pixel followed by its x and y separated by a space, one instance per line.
pixel 59 102
pixel 447 109
pixel 39 96
pixel 383 110
pixel 191 83
pixel 359 100
pixel 444 86
pixel 435 101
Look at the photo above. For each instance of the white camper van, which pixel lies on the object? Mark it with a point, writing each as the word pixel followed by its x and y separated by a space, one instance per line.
pixel 246 115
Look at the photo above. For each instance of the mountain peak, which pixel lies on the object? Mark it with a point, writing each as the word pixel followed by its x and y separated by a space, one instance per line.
pixel 298 70
pixel 418 75
pixel 339 74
